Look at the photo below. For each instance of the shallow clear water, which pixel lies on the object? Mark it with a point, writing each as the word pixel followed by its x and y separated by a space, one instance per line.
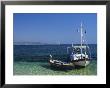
pixel 39 68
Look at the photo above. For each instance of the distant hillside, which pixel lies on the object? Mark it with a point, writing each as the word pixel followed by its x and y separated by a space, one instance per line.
pixel 37 43
pixel 28 43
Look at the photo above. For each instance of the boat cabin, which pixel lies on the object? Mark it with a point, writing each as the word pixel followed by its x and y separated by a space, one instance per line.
pixel 79 52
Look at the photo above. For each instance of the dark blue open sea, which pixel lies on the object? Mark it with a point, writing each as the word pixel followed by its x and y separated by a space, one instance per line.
pixel 42 52
pixel 33 59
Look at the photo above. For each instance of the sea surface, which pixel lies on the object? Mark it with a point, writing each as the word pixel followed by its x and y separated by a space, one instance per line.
pixel 33 60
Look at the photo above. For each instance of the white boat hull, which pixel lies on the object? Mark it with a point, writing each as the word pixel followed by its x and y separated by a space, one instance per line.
pixel 61 65
pixel 82 63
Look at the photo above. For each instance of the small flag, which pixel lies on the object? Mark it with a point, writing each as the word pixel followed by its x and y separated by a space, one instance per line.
pixel 85 31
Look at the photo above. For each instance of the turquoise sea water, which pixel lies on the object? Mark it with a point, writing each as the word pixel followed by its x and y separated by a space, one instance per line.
pixel 39 68
pixel 33 60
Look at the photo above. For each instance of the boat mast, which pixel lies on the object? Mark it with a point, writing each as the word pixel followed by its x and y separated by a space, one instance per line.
pixel 81 40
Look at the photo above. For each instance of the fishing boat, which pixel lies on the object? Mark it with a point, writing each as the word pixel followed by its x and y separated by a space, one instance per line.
pixel 79 55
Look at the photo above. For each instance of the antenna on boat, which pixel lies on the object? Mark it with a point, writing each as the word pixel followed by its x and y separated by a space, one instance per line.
pixel 81 38
pixel 68 50
pixel 72 45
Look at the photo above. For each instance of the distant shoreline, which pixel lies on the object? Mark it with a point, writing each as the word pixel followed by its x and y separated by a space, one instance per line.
pixel 50 44
pixel 40 43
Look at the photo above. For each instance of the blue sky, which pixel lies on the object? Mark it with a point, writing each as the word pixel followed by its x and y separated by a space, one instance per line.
pixel 54 27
